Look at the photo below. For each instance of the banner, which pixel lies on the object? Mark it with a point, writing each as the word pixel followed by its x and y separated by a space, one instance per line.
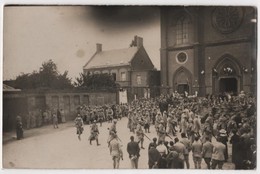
pixel 122 96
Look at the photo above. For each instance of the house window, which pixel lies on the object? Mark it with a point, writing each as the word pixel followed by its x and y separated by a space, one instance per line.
pixel 123 76
pixel 182 30
pixel 138 79
pixel 114 76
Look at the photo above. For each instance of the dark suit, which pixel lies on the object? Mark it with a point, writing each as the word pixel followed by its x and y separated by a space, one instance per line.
pixel 154 156
pixel 133 150
pixel 236 151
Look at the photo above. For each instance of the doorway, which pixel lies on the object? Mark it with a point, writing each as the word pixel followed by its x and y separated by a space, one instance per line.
pixel 228 85
pixel 182 88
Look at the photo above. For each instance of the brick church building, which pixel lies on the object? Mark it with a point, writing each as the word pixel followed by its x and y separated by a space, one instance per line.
pixel 210 50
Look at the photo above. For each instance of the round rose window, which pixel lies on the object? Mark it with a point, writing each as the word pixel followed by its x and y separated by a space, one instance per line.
pixel 227 19
pixel 182 57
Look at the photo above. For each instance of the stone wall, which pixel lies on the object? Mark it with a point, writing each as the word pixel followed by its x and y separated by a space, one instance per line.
pixel 25 103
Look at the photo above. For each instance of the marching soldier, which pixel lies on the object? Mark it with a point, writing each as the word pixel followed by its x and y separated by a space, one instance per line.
pixel 115 150
pixel 140 135
pixel 55 120
pixel 147 121
pixel 158 121
pixel 164 119
pixel 129 123
pixel 171 125
pixel 134 122
pixel 94 133
pixel 101 116
pixel 79 125
pixel 161 132
pixel 109 115
pixel 112 131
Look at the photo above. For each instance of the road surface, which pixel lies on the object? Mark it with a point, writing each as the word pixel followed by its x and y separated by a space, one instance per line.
pixel 61 149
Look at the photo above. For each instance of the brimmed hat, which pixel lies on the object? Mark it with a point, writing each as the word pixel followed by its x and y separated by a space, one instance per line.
pixel 223 133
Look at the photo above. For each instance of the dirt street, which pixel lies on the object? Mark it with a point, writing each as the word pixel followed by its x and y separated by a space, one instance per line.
pixel 61 149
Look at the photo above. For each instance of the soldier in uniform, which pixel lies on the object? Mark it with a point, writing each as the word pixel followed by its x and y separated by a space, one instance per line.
pixel 55 120
pixel 101 116
pixel 147 121
pixel 161 132
pixel 115 150
pixel 165 119
pixel 94 133
pixel 184 140
pixel 197 125
pixel 134 122
pixel 119 112
pixel 170 125
pixel 129 123
pixel 112 132
pixel 184 123
pixel 157 121
pixel 109 115
pixel 140 135
pixel 79 125
pixel 92 115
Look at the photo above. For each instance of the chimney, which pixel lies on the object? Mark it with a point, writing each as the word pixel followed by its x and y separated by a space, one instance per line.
pixel 138 41
pixel 99 47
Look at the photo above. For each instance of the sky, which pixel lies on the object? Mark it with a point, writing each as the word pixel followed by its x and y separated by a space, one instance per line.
pixel 68 35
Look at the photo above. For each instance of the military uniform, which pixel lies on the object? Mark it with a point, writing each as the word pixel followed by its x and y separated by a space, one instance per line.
pixel 79 125
pixel 55 120
pixel 109 115
pixel 147 121
pixel 94 133
pixel 116 152
pixel 161 133
pixel 140 135
pixel 112 133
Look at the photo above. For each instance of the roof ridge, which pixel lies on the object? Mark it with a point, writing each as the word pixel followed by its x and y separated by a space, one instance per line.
pixel 131 52
pixel 117 49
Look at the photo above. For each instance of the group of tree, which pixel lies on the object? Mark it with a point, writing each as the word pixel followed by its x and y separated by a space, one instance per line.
pixel 48 77
pixel 95 82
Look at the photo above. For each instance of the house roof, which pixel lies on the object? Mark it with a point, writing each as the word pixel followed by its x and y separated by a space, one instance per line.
pixel 110 58
pixel 9 88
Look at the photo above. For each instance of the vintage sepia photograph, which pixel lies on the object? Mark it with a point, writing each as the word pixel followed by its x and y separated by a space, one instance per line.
pixel 129 87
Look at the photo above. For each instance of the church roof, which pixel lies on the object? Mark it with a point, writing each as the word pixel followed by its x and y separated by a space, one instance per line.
pixel 111 58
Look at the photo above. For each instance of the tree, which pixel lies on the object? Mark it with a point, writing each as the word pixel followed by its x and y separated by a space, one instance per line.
pixel 95 82
pixel 48 74
pixel 47 77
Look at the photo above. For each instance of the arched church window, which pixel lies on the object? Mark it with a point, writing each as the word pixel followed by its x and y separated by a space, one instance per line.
pixel 182 30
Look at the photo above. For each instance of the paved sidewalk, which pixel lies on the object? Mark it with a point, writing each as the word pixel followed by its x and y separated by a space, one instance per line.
pixel 9 137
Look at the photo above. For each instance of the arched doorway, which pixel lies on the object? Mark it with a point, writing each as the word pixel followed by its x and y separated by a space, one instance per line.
pixel 182 81
pixel 228 84
pixel 226 75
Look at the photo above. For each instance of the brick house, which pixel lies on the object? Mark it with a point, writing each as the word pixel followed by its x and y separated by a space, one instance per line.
pixel 131 68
